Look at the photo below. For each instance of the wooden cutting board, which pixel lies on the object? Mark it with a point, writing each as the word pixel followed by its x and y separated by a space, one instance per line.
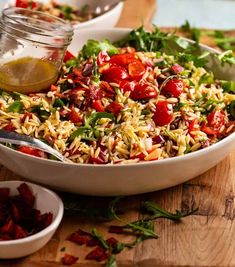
pixel 204 239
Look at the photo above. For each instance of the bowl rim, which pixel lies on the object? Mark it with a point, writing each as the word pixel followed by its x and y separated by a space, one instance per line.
pixel 193 154
pixel 83 25
pixel 53 226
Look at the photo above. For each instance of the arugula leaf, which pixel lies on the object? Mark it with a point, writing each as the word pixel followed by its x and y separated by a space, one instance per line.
pixel 100 238
pixel 232 109
pixel 194 33
pixel 93 47
pixel 228 86
pixel 111 262
pixel 158 212
pixel 206 78
pixel 227 57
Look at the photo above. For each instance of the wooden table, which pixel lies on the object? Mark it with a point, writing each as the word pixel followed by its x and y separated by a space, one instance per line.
pixel 204 239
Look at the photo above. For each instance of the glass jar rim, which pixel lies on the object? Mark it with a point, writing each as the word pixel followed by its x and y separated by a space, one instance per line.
pixel 38 23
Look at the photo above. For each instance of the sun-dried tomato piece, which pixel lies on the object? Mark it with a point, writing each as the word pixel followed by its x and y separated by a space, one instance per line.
pixel 19 232
pixel 69 259
pixel 15 212
pixel 4 194
pixel 26 195
pixel 44 220
pixel 80 237
pixel 112 242
pixel 7 228
pixel 116 229
pixel 5 237
pixel 97 254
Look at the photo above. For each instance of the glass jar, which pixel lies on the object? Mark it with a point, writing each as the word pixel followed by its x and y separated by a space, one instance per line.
pixel 32 48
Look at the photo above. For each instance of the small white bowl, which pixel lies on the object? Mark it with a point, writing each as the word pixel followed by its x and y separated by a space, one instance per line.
pixel 46 201
pixel 108 19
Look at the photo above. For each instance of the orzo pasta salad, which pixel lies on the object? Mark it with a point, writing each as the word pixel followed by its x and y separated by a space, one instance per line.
pixel 130 102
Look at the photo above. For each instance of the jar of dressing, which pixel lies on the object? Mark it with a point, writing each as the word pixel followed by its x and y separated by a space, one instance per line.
pixel 32 48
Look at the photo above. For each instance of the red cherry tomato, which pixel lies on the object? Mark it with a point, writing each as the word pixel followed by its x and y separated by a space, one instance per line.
pixel 127 86
pixel 32 151
pixel 75 116
pixel 114 108
pixel 136 70
pixel 26 4
pixel 122 59
pixel 192 126
pixel 143 92
pixel 163 114
pixel 68 56
pixel 173 87
pixel 215 120
pixel 98 106
pixel 115 74
pixel 176 69
pixel 103 57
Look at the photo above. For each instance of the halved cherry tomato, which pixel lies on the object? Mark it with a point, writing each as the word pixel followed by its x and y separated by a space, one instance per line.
pixel 26 4
pixel 173 87
pixel 163 114
pixel 98 106
pixel 68 56
pixel 215 120
pixel 122 59
pixel 192 126
pixel 127 86
pixel 114 108
pixel 103 57
pixel 115 74
pixel 75 116
pixel 136 70
pixel 32 151
pixel 143 92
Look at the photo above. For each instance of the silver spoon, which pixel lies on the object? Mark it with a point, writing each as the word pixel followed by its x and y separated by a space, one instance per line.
pixel 25 140
pixel 99 7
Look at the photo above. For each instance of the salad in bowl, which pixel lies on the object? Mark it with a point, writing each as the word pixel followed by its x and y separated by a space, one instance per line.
pixel 145 102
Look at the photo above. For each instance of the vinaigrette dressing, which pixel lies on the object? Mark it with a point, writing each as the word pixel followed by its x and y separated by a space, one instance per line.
pixel 27 75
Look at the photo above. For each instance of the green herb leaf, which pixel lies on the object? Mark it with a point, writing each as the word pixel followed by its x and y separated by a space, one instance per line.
pixel 111 262
pixel 16 107
pixel 97 116
pixel 93 47
pixel 158 212
pixel 232 109
pixel 59 103
pixel 100 238
pixel 228 86
pixel 227 57
pixel 193 33
pixel 206 78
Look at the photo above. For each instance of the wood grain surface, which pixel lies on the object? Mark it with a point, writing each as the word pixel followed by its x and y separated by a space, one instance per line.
pixel 204 239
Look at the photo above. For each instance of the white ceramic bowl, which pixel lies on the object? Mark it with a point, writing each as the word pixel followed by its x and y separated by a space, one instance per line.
pixel 46 201
pixel 107 180
pixel 108 19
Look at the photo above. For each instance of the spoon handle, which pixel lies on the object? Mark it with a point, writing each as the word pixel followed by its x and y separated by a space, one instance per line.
pixel 19 139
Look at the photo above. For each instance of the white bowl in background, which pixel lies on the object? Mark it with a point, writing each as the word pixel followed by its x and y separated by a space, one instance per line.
pixel 108 19
pixel 111 180
pixel 45 201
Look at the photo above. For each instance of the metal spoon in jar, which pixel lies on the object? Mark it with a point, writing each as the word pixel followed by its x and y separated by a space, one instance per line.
pixel 25 140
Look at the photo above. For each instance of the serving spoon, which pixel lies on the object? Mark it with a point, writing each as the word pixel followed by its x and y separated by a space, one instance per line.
pixel 25 140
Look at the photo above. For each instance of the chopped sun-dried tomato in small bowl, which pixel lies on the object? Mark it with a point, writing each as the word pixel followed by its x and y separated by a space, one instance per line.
pixel 29 216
